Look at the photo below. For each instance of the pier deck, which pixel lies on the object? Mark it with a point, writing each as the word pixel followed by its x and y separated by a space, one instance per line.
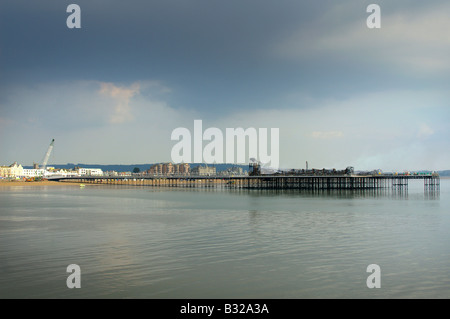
pixel 263 181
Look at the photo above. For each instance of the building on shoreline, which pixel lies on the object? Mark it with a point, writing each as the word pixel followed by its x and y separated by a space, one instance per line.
pixel 90 171
pixel 167 169
pixel 30 173
pixel 13 170
pixel 206 170
pixel 16 171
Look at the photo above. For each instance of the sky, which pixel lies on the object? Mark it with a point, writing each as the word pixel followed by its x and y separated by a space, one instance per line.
pixel 340 93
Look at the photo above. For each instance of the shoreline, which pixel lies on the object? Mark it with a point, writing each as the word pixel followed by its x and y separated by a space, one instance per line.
pixel 33 184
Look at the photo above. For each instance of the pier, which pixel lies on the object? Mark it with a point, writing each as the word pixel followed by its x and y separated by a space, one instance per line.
pixel 351 182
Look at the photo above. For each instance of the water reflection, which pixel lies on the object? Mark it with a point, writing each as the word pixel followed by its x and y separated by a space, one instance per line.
pixel 432 194
pixel 160 242
pixel 388 193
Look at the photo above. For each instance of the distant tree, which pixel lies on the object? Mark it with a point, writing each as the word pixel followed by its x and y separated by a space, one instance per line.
pixel 136 170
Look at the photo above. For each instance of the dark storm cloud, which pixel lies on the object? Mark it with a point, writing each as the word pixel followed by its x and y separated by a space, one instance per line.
pixel 216 54
pixel 142 38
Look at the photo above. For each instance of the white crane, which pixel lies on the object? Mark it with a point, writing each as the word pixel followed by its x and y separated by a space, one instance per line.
pixel 47 155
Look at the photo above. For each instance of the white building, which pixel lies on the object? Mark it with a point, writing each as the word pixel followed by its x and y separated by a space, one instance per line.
pixel 13 170
pixel 90 172
pixel 28 173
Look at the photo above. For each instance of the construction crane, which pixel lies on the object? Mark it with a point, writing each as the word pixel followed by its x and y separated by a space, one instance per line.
pixel 47 155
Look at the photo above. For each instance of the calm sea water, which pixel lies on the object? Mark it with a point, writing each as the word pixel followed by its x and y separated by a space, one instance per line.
pixel 144 242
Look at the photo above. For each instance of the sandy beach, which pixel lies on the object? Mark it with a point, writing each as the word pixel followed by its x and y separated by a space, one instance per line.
pixel 39 183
